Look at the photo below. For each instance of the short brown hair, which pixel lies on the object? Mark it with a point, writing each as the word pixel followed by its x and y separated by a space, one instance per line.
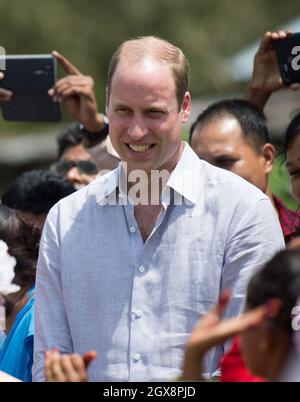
pixel 158 49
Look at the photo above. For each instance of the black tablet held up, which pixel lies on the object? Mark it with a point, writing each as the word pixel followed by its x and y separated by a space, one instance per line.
pixel 288 56
pixel 30 77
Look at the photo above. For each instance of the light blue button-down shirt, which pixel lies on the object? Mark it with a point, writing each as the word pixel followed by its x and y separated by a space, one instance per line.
pixel 100 287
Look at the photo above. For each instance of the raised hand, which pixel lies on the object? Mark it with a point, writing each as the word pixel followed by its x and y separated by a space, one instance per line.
pixel 76 91
pixel 266 77
pixel 212 330
pixel 5 94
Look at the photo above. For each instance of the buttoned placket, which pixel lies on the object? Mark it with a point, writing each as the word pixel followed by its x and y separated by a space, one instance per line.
pixel 138 300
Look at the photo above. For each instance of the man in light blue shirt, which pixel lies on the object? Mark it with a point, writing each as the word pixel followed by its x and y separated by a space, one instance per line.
pixel 128 269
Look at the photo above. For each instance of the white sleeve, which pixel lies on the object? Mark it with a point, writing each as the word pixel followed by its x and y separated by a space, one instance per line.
pixel 51 324
pixel 255 238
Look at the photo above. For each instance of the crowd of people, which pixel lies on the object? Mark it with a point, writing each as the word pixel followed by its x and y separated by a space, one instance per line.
pixel 140 257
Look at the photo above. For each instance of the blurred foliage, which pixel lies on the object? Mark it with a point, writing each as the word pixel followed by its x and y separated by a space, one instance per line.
pixel 280 184
pixel 89 32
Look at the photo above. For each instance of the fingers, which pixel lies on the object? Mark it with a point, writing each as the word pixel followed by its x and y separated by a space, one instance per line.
pixel 224 299
pixel 211 331
pixel 265 43
pixel 219 309
pixel 53 368
pixel 75 91
pixel 73 373
pixel 72 85
pixel 281 34
pixel 66 64
pixel 89 357
pixel 5 94
pixel 213 317
pixel 295 86
pixel 67 368
pixel 249 320
pixel 47 366
pixel 75 80
pixel 269 37
pixel 80 367
pixel 230 327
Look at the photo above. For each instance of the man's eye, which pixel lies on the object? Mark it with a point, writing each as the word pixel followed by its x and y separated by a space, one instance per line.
pixel 122 111
pixel 294 173
pixel 225 162
pixel 156 114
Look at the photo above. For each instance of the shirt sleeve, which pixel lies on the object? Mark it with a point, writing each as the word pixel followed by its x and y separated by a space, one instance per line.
pixel 51 324
pixel 255 237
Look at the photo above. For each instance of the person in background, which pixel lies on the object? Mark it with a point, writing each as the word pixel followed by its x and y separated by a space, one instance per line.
pixel 16 354
pixel 268 329
pixel 33 193
pixel 76 92
pixel 74 162
pixel 7 264
pixel 266 79
pixel 232 134
pixel 291 153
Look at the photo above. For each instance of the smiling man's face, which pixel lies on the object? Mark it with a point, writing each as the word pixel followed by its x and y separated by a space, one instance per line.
pixel 144 117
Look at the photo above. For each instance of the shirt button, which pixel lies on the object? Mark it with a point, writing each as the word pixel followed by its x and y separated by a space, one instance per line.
pixel 136 357
pixel 138 313
pixel 132 229
pixel 142 269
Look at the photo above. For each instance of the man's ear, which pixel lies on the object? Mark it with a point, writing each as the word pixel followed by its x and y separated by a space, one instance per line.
pixel 268 334
pixel 268 153
pixel 186 107
pixel 266 340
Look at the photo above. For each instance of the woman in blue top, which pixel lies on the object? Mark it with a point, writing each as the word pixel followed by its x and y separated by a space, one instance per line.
pixel 16 354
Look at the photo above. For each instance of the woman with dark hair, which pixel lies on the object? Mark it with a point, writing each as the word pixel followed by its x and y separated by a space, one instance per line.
pixel 16 354
pixel 9 224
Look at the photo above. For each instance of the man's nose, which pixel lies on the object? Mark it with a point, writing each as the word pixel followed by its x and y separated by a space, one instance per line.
pixel 137 129
pixel 74 175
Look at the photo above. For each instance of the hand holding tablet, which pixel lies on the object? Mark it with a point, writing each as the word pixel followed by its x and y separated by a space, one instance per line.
pixel 27 79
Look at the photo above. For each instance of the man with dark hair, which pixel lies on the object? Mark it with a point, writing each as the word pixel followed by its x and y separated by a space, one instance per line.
pixel 80 163
pixel 232 134
pixel 34 193
pixel 70 136
pixel 74 162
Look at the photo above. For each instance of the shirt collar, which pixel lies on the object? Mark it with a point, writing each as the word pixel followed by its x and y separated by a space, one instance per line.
pixel 186 180
pixel 107 186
